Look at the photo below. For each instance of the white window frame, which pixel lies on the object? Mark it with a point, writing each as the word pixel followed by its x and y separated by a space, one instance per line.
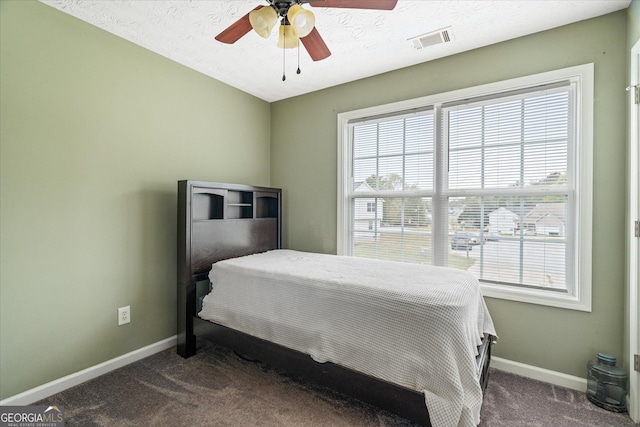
pixel 582 77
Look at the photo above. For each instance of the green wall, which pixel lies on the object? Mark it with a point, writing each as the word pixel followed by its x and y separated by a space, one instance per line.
pixel 95 133
pixel 633 23
pixel 303 163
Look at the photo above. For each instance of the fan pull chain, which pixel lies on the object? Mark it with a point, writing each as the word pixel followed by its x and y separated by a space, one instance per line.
pixel 284 54
pixel 284 46
pixel 284 50
pixel 298 70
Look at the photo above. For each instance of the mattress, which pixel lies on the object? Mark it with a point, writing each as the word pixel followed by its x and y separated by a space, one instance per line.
pixel 412 325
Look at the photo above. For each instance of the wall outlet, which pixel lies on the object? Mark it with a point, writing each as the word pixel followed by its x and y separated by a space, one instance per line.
pixel 124 315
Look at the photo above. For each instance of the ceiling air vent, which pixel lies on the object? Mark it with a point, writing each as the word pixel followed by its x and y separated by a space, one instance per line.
pixel 443 35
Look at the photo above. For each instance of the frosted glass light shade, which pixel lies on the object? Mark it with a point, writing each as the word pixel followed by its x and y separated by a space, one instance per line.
pixel 286 38
pixel 302 21
pixel 263 20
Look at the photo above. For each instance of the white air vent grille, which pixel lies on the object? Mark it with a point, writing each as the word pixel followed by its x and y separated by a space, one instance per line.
pixel 443 35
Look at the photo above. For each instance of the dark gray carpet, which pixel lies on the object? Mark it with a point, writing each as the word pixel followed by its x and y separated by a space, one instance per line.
pixel 216 388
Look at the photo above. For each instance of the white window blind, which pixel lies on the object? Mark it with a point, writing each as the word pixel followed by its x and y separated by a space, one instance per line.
pixel 495 180
pixel 393 170
pixel 509 184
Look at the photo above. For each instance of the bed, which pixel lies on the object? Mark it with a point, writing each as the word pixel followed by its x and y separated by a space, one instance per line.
pixel 413 340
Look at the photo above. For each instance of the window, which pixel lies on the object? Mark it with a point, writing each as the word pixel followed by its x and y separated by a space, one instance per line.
pixel 495 180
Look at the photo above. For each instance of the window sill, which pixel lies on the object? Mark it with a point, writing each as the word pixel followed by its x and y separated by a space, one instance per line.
pixel 536 296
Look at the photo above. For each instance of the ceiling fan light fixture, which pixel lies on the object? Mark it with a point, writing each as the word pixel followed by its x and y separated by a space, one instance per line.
pixel 263 20
pixel 286 38
pixel 302 21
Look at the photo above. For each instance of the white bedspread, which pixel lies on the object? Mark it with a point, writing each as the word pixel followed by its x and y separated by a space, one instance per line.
pixel 413 325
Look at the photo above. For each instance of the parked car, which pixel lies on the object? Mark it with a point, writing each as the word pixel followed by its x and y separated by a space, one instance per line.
pixel 461 241
pixel 477 240
pixel 493 237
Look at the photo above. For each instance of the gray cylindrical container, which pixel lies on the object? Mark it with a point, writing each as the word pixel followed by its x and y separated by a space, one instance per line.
pixel 606 383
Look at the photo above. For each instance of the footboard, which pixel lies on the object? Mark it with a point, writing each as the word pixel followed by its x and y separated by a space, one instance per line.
pixel 483 359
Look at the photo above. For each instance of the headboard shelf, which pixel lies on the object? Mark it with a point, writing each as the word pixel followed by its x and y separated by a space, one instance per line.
pixel 207 206
pixel 216 222
pixel 221 203
pixel 267 205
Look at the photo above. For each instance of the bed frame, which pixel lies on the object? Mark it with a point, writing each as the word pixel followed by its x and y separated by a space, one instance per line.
pixel 220 221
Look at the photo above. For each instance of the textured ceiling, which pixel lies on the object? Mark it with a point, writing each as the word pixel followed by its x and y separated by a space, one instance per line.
pixel 363 42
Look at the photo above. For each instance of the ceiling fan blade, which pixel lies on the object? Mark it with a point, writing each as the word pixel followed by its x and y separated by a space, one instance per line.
pixel 235 31
pixel 316 47
pixel 356 4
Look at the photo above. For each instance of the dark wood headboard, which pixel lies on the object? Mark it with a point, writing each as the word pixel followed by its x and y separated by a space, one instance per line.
pixel 216 222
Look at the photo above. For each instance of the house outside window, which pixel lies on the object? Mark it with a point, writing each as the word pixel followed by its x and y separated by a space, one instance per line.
pixel 504 167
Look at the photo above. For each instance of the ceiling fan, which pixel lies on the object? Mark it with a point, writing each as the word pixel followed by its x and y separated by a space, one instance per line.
pixel 296 22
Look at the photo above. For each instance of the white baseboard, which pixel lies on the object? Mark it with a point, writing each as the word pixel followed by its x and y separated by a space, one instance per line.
pixel 540 374
pixel 61 384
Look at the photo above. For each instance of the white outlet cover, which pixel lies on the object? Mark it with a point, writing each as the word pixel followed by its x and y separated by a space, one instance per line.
pixel 124 315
